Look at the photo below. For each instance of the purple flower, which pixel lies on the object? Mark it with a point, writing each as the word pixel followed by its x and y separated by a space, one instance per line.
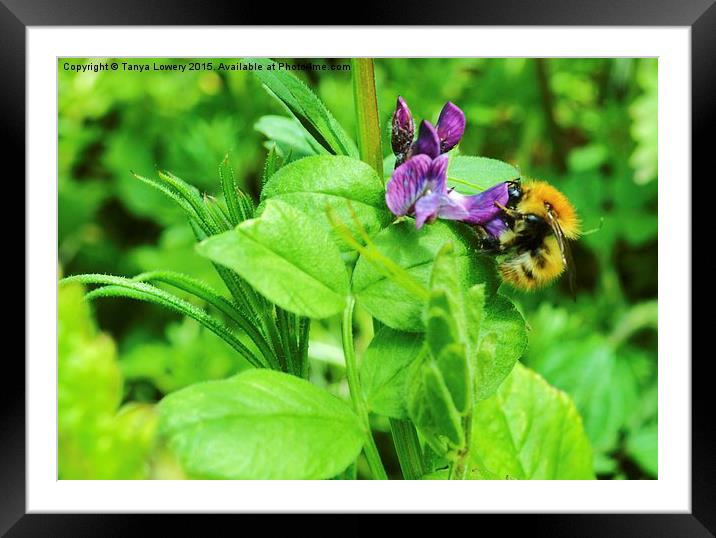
pixel 481 208
pixel 402 132
pixel 495 227
pixel 451 126
pixel 432 140
pixel 428 142
pixel 419 188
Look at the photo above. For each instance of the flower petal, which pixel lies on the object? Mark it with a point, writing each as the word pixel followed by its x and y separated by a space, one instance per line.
pixel 437 175
pixel 481 208
pixel 452 207
pixel 495 227
pixel 428 142
pixel 427 207
pixel 407 184
pixel 450 127
pixel 403 131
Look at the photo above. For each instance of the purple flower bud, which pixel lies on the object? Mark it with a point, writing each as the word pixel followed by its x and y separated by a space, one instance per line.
pixel 403 131
pixel 450 127
pixel 428 142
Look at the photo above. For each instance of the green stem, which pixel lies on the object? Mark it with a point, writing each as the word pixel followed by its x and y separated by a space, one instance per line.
pixel 303 334
pixel 366 105
pixel 370 449
pixel 407 445
pixel 369 146
pixel 282 324
pixel 459 467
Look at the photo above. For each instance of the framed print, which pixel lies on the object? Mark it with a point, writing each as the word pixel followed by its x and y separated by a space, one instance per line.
pixel 291 269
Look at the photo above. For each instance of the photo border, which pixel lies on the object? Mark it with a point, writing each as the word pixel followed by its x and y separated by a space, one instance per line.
pixel 699 15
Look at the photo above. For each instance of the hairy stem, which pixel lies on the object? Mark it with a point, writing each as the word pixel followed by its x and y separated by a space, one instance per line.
pixel 370 449
pixel 366 106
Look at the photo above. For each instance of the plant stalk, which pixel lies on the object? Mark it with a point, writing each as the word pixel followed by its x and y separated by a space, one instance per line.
pixel 366 106
pixel 369 448
pixel 407 445
pixel 459 468
pixel 369 146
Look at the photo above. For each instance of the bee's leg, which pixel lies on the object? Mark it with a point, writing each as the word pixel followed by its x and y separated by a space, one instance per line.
pixel 487 242
pixel 490 244
pixel 512 213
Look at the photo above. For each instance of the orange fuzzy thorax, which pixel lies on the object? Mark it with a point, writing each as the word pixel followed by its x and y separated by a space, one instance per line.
pixel 534 196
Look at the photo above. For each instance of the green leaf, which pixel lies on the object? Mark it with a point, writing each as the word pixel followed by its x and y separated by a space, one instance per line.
pixel 440 327
pixel 603 386
pixel 351 187
pixel 445 319
pixel 470 175
pixel 431 408
pixel 440 399
pixel 288 135
pixel 384 370
pixel 173 193
pixel 453 327
pixel 272 164
pixel 308 109
pixel 530 431
pixel 503 340
pixel 474 474
pixel 229 188
pixel 286 257
pixel 452 363
pixel 388 167
pixel 260 424
pixel 189 192
pixel 415 250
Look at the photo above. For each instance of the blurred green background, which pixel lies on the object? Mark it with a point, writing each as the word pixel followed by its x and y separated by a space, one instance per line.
pixel 589 126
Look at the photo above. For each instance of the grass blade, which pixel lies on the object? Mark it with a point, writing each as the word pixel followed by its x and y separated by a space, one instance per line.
pixel 206 293
pixel 122 287
pixel 228 185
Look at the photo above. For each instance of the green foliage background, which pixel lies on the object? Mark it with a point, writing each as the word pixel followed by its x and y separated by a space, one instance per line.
pixel 589 126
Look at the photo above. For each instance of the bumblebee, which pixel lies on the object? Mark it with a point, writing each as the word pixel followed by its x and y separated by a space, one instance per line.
pixel 530 236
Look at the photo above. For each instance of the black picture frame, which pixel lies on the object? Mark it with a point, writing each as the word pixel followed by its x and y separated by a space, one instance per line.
pixel 699 15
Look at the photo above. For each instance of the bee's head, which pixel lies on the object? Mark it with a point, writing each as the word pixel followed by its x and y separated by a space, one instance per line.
pixel 514 191
pixel 538 197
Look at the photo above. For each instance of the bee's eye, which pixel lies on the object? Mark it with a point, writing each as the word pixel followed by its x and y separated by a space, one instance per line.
pixel 514 191
pixel 532 218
